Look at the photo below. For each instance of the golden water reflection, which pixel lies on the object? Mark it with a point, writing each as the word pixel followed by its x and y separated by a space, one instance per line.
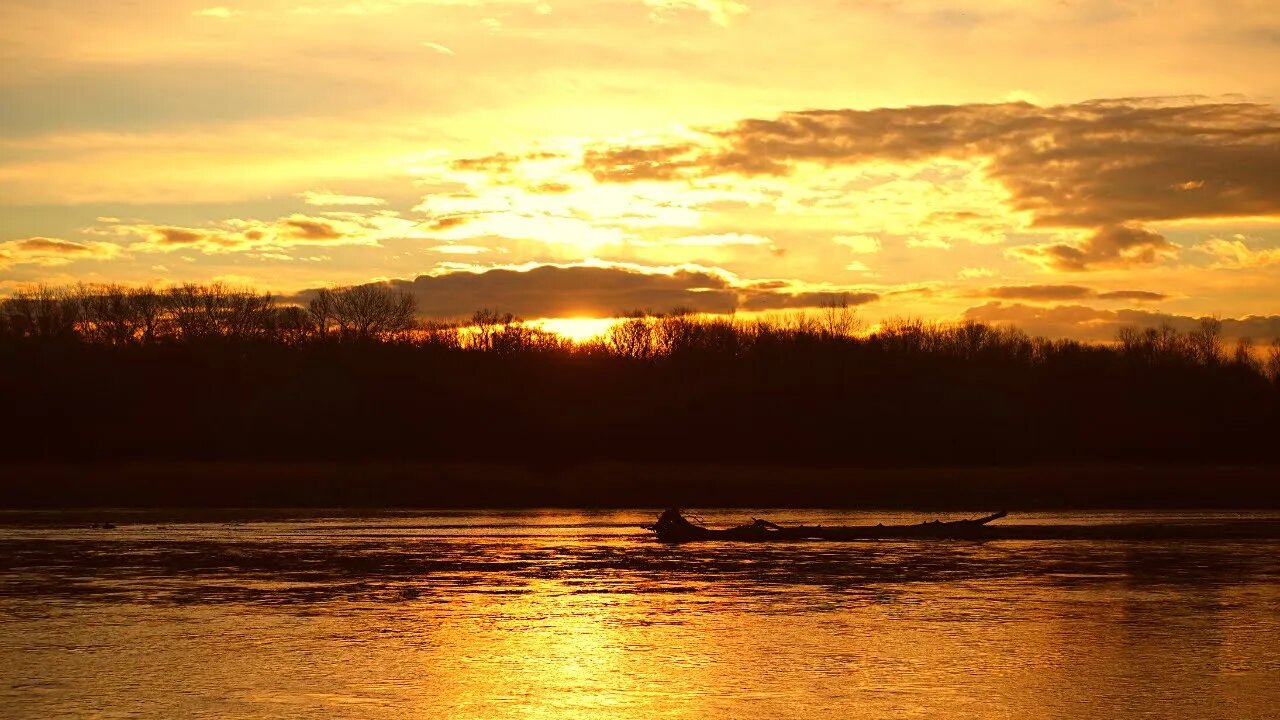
pixel 566 615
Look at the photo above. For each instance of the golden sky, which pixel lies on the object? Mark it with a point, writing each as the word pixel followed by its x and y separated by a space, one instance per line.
pixel 1069 166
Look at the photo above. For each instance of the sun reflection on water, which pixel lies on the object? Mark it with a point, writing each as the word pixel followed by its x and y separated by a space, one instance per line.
pixel 557 614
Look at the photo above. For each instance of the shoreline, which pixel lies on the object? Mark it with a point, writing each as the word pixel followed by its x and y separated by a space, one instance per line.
pixel 444 486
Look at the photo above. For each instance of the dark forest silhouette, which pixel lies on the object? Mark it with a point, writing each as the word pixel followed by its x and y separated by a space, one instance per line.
pixel 104 373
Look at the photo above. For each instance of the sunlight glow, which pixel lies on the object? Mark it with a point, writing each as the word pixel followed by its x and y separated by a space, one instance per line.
pixel 578 329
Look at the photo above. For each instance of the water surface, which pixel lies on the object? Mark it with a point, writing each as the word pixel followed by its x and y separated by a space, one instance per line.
pixel 567 614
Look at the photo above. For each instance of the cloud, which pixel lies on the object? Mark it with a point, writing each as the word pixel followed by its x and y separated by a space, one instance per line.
pixel 501 162
pixel 238 235
pixel 861 244
pixel 1039 292
pixel 221 13
pixel 975 272
pixel 172 237
pixel 568 291
pixel 463 249
pixel 1133 295
pixel 647 162
pixel 931 243
pixel 303 228
pixel 758 300
pixel 52 252
pixel 553 230
pixel 1113 246
pixel 1048 293
pixel 439 48
pixel 1091 324
pixel 721 12
pixel 721 240
pixel 578 218
pixel 327 199
pixel 1107 165
pixel 1234 253
pixel 601 290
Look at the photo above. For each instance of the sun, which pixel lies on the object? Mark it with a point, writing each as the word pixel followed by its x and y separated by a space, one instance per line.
pixel 577 329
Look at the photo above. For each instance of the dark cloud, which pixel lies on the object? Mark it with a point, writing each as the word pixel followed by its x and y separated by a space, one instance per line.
pixel 1134 295
pixel 1066 292
pixel 1110 165
pixel 179 236
pixel 54 246
pixel 674 162
pixel 242 235
pixel 52 251
pixel 759 299
pixel 649 162
pixel 308 229
pixel 1088 323
pixel 555 291
pixel 921 291
pixel 500 162
pixel 445 223
pixel 771 285
pixel 1085 165
pixel 1114 246
pixel 552 291
pixel 1039 292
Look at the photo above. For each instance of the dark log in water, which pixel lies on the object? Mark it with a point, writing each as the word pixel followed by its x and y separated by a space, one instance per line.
pixel 673 527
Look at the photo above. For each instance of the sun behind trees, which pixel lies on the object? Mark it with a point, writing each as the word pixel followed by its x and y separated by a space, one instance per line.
pixel 210 372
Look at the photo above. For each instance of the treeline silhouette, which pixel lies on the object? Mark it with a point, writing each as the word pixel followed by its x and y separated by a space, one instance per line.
pixel 206 372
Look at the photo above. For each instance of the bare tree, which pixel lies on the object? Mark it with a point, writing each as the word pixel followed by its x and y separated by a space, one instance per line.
pixel 486 324
pixel 675 331
pixel 633 337
pixel 1205 342
pixel 243 314
pixel 514 337
pixel 837 318
pixel 1243 355
pixel 368 312
pixel 1165 341
pixel 42 312
pixel 969 339
pixel 440 335
pixel 1272 367
pixel 186 307
pixel 322 310
pixel 905 334
pixel 148 313
pixel 198 312
pixel 292 325
pixel 1129 338
pixel 106 314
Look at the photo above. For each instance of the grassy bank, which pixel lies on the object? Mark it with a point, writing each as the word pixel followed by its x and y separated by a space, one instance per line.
pixel 407 485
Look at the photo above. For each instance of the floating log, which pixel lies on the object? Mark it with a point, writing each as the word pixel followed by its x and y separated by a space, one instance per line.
pixel 673 527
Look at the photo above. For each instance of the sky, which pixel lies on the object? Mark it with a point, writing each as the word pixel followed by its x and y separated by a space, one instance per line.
pixel 1067 166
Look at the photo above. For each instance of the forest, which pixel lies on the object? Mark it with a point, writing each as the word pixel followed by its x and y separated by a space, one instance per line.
pixel 207 372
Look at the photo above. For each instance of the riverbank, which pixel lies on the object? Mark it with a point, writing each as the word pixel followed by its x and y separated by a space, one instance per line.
pixel 409 485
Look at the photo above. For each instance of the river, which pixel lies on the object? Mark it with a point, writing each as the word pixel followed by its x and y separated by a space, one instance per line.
pixel 577 614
